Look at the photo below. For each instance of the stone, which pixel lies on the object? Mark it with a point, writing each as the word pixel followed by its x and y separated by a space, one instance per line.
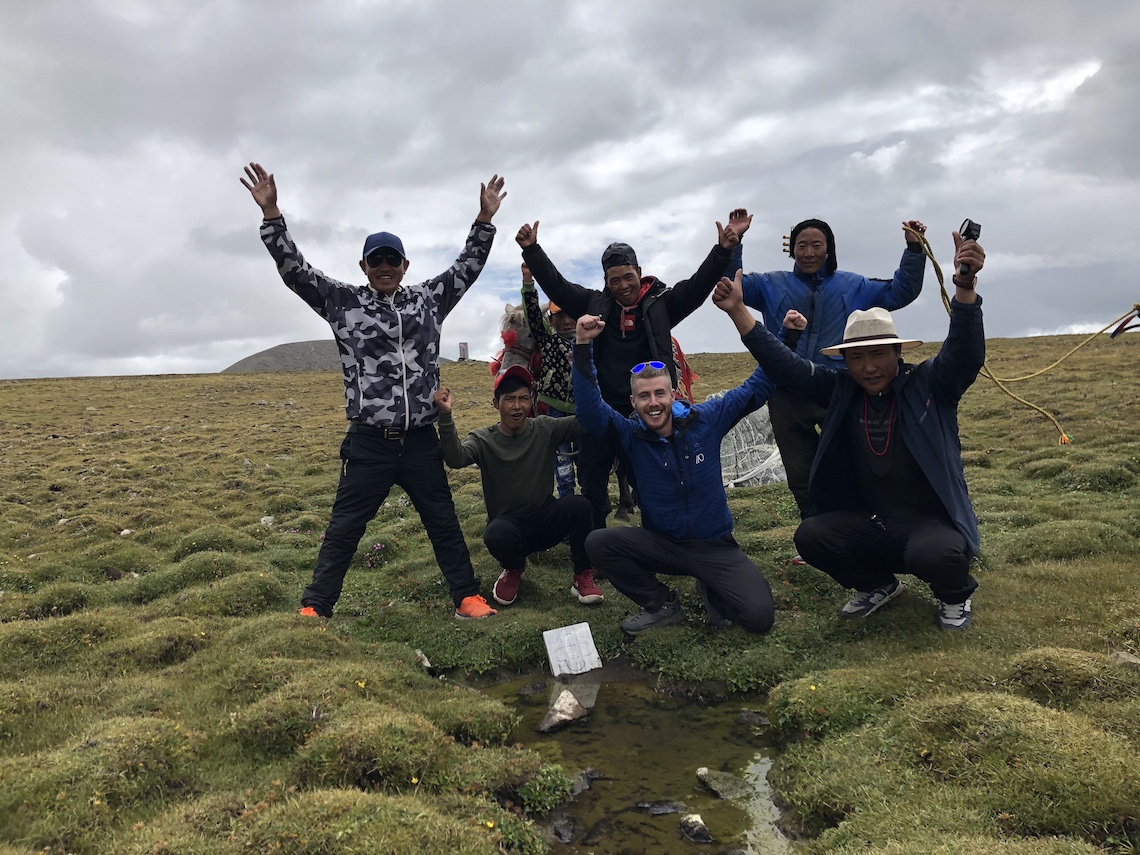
pixel 563 711
pixel 563 827
pixel 694 829
pixel 724 785
pixel 662 808
pixel 1123 657
pixel 753 718
pixel 582 781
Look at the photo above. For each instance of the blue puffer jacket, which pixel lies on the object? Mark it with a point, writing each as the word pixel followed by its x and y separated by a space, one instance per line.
pixel 679 483
pixel 927 396
pixel 836 295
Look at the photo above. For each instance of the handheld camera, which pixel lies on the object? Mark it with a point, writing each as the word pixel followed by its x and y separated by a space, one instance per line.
pixel 969 230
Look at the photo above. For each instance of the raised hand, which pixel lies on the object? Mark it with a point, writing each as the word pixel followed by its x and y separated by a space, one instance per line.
pixel 740 220
pixel 528 278
pixel 912 224
pixel 528 235
pixel 589 328
pixel 490 198
pixel 726 236
pixel 263 189
pixel 793 320
pixel 728 293
pixel 442 398
pixel 969 253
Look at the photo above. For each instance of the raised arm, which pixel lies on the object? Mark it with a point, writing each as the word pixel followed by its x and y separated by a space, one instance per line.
pixel 687 296
pixel 594 414
pixel 963 353
pixel 572 297
pixel 456 454
pixel 534 320
pixel 449 286
pixel 782 367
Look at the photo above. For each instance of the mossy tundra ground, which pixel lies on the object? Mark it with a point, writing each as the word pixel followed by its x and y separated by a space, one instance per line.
pixel 158 694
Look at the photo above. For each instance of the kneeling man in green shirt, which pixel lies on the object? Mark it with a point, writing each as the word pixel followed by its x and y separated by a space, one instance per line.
pixel 516 463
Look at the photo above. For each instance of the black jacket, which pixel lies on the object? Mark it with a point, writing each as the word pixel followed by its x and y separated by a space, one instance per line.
pixel 662 308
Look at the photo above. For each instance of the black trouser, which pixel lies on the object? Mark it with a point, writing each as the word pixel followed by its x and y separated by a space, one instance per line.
pixel 510 538
pixel 794 421
pixel 370 465
pixel 863 554
pixel 630 558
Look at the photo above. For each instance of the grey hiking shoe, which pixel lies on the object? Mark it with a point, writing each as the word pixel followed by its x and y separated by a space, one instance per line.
pixel 954 616
pixel 669 613
pixel 868 602
pixel 715 619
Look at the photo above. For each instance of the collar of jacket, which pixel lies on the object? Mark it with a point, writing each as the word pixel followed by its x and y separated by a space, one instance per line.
pixel 683 415
pixel 655 290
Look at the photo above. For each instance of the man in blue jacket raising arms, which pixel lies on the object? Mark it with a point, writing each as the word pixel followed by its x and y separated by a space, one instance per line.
pixel 674 450
pixel 825 296
pixel 887 486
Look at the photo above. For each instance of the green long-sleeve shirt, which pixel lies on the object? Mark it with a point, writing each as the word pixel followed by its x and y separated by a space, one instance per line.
pixel 517 471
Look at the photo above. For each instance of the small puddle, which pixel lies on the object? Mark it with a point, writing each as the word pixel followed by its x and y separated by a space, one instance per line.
pixel 647 745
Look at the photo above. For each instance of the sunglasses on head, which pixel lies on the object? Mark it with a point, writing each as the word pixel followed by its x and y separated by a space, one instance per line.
pixel 392 259
pixel 641 366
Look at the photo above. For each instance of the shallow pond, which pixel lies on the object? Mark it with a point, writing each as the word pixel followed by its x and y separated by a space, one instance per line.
pixel 646 745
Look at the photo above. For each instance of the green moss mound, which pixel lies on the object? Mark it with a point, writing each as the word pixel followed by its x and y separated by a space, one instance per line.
pixel 346 822
pixel 993 765
pixel 217 538
pixel 74 795
pixel 1064 678
pixel 1065 539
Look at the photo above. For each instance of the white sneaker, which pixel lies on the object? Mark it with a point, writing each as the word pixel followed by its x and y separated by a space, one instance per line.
pixel 954 616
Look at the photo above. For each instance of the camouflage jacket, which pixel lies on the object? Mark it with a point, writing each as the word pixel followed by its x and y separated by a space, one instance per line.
pixel 389 346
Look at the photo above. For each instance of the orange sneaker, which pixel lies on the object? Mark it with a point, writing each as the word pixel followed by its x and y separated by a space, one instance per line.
pixel 309 611
pixel 474 607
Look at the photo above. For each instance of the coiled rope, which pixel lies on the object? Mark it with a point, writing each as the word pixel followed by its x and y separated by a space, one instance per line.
pixel 1124 322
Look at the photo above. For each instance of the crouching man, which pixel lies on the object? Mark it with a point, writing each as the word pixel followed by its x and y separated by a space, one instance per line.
pixel 516 464
pixel 674 450
pixel 887 481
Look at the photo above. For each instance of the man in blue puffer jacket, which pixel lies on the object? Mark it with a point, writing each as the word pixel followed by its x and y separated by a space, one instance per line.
pixel 674 449
pixel 825 296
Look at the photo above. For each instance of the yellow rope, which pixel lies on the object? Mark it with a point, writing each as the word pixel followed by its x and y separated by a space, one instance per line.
pixel 985 371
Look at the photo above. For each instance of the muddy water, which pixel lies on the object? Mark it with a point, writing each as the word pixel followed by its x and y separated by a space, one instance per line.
pixel 646 745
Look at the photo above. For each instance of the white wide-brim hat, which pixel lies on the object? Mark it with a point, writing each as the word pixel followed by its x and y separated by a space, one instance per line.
pixel 868 328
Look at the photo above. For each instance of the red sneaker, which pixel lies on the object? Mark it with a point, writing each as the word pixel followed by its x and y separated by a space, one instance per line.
pixel 506 587
pixel 309 611
pixel 474 607
pixel 585 588
pixel 798 561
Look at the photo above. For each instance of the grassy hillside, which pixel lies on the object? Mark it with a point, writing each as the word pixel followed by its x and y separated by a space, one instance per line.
pixel 158 694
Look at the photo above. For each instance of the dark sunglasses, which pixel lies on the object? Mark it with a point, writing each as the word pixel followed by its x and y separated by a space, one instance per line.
pixel 393 259
pixel 641 366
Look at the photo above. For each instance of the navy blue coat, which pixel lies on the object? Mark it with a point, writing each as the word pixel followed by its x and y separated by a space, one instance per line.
pixel 679 483
pixel 927 395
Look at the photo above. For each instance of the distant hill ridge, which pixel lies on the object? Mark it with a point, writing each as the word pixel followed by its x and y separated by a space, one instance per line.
pixel 320 355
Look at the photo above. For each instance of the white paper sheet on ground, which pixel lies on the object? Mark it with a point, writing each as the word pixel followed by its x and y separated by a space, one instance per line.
pixel 571 649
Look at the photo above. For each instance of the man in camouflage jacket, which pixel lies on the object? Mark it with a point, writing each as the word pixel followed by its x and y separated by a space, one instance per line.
pixel 388 337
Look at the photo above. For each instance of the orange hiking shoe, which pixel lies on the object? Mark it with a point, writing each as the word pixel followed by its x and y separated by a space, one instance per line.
pixel 309 611
pixel 474 607
pixel 585 588
pixel 506 587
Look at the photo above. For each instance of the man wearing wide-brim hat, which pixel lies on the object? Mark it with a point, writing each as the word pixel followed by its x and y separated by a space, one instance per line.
pixel 887 485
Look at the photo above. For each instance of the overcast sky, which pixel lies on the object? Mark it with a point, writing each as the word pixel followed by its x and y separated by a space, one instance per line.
pixel 127 245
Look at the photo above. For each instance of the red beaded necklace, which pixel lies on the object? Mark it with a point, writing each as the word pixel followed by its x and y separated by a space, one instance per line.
pixel 867 428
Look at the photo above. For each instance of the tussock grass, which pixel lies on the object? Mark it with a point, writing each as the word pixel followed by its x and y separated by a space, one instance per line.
pixel 156 532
